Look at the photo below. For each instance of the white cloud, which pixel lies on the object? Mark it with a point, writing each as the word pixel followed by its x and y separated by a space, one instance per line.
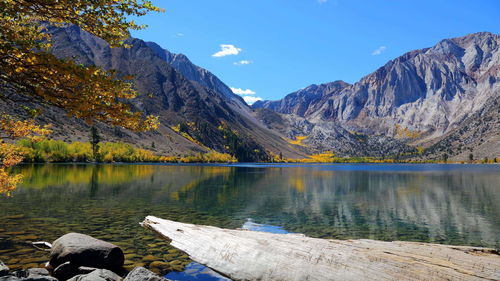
pixel 227 50
pixel 179 34
pixel 243 62
pixel 322 1
pixel 242 92
pixel 251 100
pixel 379 50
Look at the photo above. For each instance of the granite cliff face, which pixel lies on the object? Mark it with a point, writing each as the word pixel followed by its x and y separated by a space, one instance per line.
pixel 420 96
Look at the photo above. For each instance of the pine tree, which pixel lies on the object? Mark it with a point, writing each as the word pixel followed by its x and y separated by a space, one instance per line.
pixel 94 139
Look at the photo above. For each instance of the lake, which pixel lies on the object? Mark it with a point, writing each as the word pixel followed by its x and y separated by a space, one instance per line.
pixel 448 204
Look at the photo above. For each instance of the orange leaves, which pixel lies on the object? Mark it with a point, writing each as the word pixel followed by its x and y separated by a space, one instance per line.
pixel 8 183
pixel 88 92
pixel 29 72
pixel 13 128
pixel 10 154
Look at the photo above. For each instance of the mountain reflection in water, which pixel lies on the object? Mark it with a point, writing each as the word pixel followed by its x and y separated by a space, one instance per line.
pixel 449 204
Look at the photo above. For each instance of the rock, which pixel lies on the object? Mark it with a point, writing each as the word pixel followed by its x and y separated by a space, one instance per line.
pixel 84 250
pixel 65 271
pixel 97 275
pixel 142 274
pixel 38 271
pixel 39 278
pixel 4 270
pixel 9 278
pixel 85 269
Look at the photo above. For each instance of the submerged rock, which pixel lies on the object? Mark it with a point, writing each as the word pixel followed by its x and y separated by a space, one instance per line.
pixel 97 275
pixel 84 250
pixel 142 274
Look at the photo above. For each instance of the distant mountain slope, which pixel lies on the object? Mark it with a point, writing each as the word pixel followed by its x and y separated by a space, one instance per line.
pixel 478 135
pixel 420 96
pixel 429 90
pixel 194 115
pixel 192 72
pixel 305 101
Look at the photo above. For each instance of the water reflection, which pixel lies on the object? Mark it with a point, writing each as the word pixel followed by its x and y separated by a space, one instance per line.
pixel 454 204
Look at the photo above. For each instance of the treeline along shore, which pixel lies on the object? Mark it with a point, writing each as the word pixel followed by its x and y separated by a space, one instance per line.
pixel 58 151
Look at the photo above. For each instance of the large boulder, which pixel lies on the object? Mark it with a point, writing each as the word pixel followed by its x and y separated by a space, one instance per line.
pixel 98 275
pixel 84 250
pixel 142 274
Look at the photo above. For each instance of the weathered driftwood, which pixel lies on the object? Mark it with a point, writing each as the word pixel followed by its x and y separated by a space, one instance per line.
pixel 250 255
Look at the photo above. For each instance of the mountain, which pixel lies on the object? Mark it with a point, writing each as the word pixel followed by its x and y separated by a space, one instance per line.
pixel 192 72
pixel 196 110
pixel 305 101
pixel 419 97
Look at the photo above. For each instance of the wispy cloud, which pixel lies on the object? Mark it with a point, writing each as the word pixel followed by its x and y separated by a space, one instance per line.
pixel 227 50
pixel 322 1
pixel 243 62
pixel 247 95
pixel 179 34
pixel 379 50
pixel 242 92
pixel 251 100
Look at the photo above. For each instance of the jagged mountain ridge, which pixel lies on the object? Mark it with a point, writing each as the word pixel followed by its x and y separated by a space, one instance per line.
pixel 305 101
pixel 163 91
pixel 426 90
pixel 421 96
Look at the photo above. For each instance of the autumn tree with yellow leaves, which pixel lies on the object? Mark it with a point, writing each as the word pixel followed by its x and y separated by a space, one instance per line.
pixel 30 74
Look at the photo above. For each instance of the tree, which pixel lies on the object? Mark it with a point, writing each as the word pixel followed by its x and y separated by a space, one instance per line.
pixel 30 73
pixel 471 157
pixel 445 158
pixel 94 139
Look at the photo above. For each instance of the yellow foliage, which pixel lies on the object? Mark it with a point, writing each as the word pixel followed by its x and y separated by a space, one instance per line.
pixel 298 140
pixel 402 133
pixel 34 74
pixel 420 150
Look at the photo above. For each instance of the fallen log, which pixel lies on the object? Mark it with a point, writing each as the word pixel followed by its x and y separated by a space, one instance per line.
pixel 250 255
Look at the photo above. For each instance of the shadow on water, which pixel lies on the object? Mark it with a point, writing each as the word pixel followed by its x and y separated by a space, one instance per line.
pixel 450 204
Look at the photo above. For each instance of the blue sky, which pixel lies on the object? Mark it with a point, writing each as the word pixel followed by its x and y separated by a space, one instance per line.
pixel 274 47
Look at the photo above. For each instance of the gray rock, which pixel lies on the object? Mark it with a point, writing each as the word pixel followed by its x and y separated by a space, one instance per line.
pixel 33 274
pixel 9 278
pixel 4 270
pixel 39 278
pixel 97 275
pixel 84 250
pixel 85 269
pixel 142 274
pixel 38 271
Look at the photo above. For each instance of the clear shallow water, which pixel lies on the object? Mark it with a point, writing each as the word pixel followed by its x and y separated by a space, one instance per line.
pixel 451 204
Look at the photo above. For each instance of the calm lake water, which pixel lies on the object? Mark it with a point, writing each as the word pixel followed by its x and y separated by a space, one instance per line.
pixel 450 204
